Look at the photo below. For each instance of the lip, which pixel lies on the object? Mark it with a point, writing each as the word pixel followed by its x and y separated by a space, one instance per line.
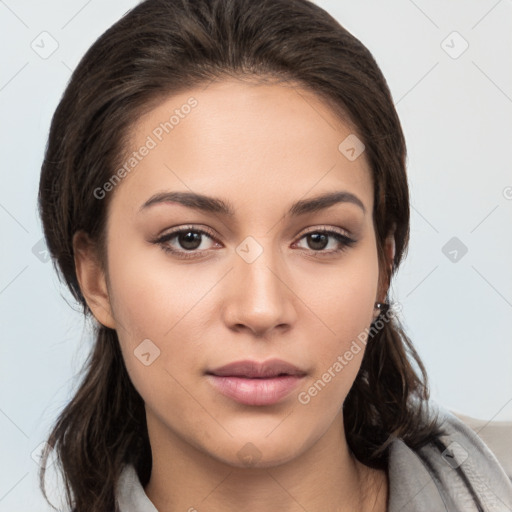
pixel 254 383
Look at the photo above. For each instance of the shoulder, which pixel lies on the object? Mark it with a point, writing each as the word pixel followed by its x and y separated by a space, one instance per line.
pixel 497 435
pixel 454 471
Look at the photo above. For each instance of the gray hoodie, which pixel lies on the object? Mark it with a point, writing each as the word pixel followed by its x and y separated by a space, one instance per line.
pixel 455 473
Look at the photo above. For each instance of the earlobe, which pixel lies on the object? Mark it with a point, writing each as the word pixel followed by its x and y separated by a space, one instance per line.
pixel 92 279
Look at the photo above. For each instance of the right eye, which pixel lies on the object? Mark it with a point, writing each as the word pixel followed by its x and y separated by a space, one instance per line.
pixel 189 238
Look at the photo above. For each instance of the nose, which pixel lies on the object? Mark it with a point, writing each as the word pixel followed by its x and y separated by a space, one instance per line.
pixel 260 297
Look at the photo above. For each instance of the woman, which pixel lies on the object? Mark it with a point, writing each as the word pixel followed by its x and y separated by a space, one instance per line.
pixel 224 191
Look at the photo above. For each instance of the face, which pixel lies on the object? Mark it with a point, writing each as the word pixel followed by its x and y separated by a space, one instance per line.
pixel 191 290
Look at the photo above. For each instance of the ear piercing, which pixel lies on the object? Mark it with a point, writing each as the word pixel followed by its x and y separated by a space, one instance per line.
pixel 382 306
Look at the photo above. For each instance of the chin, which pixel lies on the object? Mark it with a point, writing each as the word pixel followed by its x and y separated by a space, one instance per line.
pixel 257 452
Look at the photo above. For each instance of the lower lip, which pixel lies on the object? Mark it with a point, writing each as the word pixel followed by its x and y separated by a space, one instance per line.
pixel 255 391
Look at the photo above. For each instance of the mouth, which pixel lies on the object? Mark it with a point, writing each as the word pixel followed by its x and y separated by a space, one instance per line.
pixel 253 383
pixel 257 370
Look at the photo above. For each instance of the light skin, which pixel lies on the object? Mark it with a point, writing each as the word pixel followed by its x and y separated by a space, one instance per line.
pixel 261 148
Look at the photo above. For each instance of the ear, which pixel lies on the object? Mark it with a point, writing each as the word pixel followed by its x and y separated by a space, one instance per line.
pixel 389 251
pixel 92 279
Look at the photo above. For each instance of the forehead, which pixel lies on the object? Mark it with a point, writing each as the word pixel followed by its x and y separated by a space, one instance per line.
pixel 255 143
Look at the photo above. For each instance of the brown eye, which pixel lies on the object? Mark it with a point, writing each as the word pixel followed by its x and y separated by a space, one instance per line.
pixel 188 241
pixel 318 240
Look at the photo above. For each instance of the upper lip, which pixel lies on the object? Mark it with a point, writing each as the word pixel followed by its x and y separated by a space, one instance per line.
pixel 254 369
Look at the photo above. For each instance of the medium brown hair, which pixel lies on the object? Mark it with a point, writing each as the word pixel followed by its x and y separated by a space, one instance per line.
pixel 160 48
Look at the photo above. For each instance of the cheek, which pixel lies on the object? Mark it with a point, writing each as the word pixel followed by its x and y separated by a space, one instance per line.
pixel 150 295
pixel 345 305
pixel 153 306
pixel 346 299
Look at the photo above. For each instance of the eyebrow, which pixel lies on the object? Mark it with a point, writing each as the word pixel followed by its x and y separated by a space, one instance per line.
pixel 216 205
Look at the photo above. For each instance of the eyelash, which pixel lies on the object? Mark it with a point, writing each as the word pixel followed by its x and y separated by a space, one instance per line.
pixel 345 242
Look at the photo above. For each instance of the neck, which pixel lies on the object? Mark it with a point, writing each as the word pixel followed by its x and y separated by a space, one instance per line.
pixel 326 477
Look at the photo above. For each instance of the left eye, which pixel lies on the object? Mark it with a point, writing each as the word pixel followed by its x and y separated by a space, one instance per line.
pixel 190 240
pixel 319 239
